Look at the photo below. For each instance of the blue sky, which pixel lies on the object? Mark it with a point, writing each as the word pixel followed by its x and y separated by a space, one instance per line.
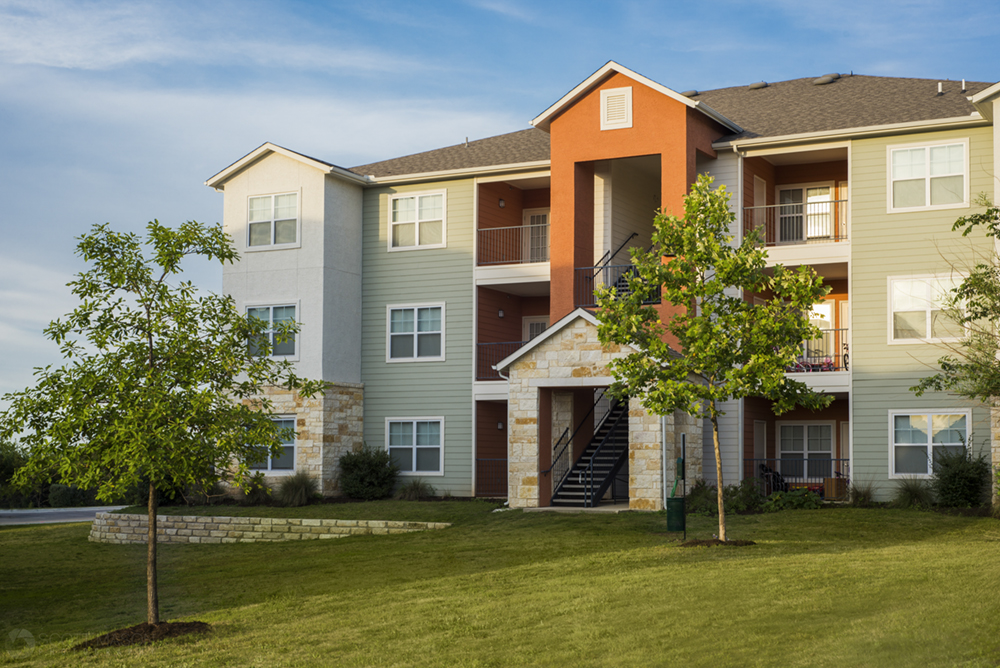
pixel 118 111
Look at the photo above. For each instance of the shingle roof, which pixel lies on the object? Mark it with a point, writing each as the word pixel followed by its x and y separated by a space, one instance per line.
pixel 516 147
pixel 782 108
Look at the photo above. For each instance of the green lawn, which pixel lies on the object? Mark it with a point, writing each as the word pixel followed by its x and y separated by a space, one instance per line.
pixel 833 587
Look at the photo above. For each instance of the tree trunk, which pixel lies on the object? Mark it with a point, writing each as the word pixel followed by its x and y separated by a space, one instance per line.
pixel 718 478
pixel 152 597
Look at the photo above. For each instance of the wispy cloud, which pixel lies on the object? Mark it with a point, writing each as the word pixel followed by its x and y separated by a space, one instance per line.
pixel 505 8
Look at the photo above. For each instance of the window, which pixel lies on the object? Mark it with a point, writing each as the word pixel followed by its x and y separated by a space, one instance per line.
pixel 915 438
pixel 274 316
pixel 533 325
pixel 273 220
pixel 417 221
pixel 285 462
pixel 415 333
pixel 928 177
pixel 918 307
pixel 806 450
pixel 536 242
pixel 805 212
pixel 616 108
pixel 415 444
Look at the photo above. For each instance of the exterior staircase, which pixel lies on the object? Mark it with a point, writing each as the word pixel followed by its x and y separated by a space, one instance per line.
pixel 594 472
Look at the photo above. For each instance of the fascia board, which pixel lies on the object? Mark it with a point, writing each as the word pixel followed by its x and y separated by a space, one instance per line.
pixel 546 335
pixel 972 120
pixel 543 120
pixel 983 100
pixel 218 181
pixel 453 173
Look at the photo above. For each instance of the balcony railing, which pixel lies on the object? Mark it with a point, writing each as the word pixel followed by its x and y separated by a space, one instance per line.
pixel 521 244
pixel 491 478
pixel 488 354
pixel 829 352
pixel 805 223
pixel 830 478
pixel 616 277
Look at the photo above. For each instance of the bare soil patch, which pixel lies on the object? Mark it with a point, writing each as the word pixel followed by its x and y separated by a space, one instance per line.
pixel 143 634
pixel 716 541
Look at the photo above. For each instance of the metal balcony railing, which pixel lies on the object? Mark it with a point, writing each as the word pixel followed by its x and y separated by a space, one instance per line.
pixel 616 277
pixel 488 354
pixel 805 223
pixel 491 478
pixel 520 244
pixel 829 352
pixel 830 478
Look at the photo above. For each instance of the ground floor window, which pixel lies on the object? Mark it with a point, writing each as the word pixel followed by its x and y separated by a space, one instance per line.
pixel 415 444
pixel 806 450
pixel 917 438
pixel 284 462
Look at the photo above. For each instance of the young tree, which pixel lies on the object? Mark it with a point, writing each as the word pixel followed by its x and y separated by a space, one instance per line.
pixel 160 388
pixel 729 347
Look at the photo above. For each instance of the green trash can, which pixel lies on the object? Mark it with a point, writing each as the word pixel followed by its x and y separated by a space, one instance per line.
pixel 675 514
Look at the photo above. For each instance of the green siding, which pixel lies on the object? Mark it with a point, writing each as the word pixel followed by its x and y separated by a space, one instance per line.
pixel 900 244
pixel 417 389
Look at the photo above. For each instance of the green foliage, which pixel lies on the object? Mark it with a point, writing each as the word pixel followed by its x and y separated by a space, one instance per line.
pixel 961 480
pixel 797 499
pixel 862 494
pixel 297 489
pixel 30 494
pixel 255 490
pixel 414 490
pixel 912 493
pixel 973 370
pixel 367 474
pixel 702 498
pixel 729 347
pixel 70 496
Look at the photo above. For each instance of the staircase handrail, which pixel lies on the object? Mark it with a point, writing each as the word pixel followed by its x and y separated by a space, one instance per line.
pixel 589 475
pixel 608 256
pixel 597 428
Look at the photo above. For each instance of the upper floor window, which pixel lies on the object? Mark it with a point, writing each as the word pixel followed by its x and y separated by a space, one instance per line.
pixel 417 221
pixel 918 307
pixel 415 333
pixel 273 316
pixel 934 176
pixel 616 108
pixel 273 220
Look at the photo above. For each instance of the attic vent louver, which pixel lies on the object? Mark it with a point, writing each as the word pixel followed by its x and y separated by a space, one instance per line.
pixel 823 80
pixel 616 108
pixel 758 85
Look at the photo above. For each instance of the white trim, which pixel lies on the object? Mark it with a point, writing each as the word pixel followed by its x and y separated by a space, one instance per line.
pixel 982 101
pixel 297 303
pixel 388 326
pixel 967 412
pixel 504 178
pixel 889 310
pixel 543 120
pixel 416 221
pixel 465 171
pixel 298 223
pixel 778 424
pixel 544 336
pixel 889 204
pixel 432 418
pixel 528 320
pixel 269 472
pixel 626 92
pixel 218 180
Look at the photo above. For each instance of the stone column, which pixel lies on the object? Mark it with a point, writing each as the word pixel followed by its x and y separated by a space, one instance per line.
pixel 645 480
pixel 522 444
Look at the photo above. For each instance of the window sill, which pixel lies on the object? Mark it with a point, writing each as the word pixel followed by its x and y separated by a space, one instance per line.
pixel 273 247
pixel 400 249
pixel 403 360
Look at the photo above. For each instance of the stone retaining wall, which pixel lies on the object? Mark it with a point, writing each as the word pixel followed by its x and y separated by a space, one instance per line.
pixel 119 529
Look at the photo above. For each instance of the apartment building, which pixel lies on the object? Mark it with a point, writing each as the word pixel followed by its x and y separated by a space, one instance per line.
pixel 447 296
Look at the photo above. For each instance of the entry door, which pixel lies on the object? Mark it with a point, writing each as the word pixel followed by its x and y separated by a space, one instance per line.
pixel 805 212
pixel 536 241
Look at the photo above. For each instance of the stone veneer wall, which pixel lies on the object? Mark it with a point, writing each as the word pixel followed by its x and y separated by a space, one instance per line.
pixel 120 529
pixel 995 448
pixel 327 426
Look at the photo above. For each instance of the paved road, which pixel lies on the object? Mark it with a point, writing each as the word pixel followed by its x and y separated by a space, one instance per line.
pixel 52 515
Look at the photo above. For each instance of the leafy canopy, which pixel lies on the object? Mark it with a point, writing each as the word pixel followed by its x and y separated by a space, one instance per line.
pixel 729 347
pixel 159 384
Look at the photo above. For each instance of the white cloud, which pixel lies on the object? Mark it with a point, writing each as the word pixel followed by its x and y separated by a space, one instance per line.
pixel 504 8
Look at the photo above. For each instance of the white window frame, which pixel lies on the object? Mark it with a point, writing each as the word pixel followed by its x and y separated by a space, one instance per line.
pixel 930 412
pixel 526 222
pixel 890 329
pixel 298 222
pixel 416 196
pixel 964 204
pixel 804 187
pixel 268 471
pixel 805 452
pixel 616 125
pixel 297 305
pixel 414 420
pixel 388 333
pixel 528 320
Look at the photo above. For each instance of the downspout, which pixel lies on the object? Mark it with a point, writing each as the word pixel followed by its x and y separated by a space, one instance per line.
pixel 663 456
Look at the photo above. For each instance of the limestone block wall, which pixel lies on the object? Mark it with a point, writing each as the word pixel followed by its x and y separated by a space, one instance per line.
pixel 645 458
pixel 562 419
pixel 995 446
pixel 121 529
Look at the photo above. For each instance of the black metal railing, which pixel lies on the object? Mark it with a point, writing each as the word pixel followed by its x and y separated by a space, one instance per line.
pixel 591 493
pixel 520 244
pixel 488 354
pixel 828 352
pixel 561 466
pixel 801 223
pixel 613 276
pixel 830 478
pixel 491 478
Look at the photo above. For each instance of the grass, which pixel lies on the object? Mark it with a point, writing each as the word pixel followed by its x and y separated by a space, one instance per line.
pixel 829 587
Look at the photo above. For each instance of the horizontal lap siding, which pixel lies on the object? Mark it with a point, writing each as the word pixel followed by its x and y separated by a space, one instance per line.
pixel 417 389
pixel 900 244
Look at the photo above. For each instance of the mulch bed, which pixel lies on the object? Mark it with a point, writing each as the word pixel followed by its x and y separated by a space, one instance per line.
pixel 143 634
pixel 716 541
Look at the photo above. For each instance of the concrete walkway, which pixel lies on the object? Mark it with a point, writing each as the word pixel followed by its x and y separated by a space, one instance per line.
pixel 603 508
pixel 53 515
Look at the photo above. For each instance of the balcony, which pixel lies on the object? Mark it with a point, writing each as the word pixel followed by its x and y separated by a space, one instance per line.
pixel 830 478
pixel 829 352
pixel 798 223
pixel 520 244
pixel 488 354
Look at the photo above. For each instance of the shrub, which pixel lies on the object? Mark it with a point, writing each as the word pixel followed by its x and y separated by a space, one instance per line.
pixel 297 489
pixel 203 495
pixel 414 490
pixel 912 493
pixel 367 474
pixel 797 499
pixel 702 498
pixel 862 494
pixel 70 496
pixel 256 492
pixel 961 480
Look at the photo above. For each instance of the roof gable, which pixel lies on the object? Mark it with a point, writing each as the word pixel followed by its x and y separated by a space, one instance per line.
pixel 218 181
